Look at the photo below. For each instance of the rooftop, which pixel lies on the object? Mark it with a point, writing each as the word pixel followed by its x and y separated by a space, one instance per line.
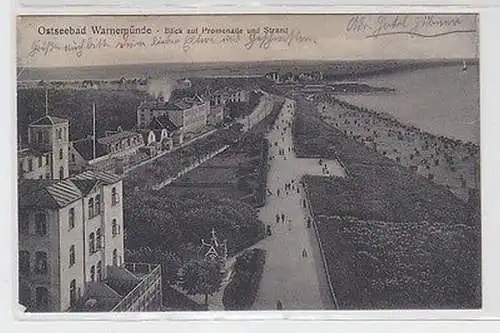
pixel 54 194
pixel 48 120
pixel 113 138
pixel 159 123
pixel 85 148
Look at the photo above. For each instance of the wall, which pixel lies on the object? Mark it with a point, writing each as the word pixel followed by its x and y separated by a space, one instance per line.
pixel 112 212
pixel 71 237
pixel 48 243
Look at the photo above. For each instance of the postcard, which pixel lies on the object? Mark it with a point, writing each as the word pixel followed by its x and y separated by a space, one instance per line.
pixel 171 163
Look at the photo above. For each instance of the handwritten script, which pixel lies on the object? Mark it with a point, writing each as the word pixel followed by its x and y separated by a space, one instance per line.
pixel 423 26
pixel 252 38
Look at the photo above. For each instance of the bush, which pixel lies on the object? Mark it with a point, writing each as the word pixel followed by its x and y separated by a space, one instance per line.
pixel 240 293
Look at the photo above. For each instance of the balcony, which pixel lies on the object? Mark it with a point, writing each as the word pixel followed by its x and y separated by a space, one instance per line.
pixel 131 287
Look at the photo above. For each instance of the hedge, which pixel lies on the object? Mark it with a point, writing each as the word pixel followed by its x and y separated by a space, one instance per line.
pixel 241 292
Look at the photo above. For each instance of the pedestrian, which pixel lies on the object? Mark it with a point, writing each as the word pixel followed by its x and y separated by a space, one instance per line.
pixel 298 191
pixel 278 192
pixel 309 222
pixel 283 217
pixel 304 253
pixel 304 203
pixel 277 218
pixel 279 305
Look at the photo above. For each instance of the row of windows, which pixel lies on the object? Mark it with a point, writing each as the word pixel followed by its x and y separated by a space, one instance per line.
pixel 96 276
pixel 95 241
pixel 40 224
pixel 125 144
pixel 94 207
pixel 41 297
pixel 61 133
pixel 40 267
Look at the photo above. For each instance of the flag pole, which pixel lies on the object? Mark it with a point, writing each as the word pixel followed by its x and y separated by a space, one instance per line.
pixel 46 102
pixel 93 131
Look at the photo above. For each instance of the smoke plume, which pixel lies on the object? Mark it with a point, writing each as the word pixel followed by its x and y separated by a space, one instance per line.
pixel 161 88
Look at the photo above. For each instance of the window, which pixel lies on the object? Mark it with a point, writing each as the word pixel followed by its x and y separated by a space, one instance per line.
pixel 72 293
pixel 61 173
pixel 91 208
pixel 25 296
pixel 41 262
pixel 91 243
pixel 24 262
pixel 71 218
pixel 71 255
pixel 98 238
pixel 97 205
pixel 61 154
pixel 99 270
pixel 41 224
pixel 30 164
pixel 115 257
pixel 114 228
pixel 92 273
pixel 24 222
pixel 40 161
pixel 114 196
pixel 42 297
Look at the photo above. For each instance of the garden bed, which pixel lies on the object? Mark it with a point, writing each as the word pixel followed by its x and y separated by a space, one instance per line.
pixel 241 292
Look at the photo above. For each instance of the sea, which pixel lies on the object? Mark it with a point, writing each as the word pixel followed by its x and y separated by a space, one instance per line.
pixel 441 100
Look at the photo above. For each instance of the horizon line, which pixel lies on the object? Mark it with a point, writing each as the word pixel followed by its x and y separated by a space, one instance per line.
pixel 257 62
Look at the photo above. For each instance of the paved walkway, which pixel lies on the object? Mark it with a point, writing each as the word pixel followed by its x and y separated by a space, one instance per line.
pixel 298 281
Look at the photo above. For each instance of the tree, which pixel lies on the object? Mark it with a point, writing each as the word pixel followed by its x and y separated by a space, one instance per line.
pixel 201 276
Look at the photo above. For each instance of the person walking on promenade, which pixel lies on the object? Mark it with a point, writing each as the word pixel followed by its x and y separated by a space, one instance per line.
pixel 278 218
pixel 304 253
pixel 304 203
pixel 308 222
pixel 298 190
pixel 279 305
pixel 278 192
pixel 282 217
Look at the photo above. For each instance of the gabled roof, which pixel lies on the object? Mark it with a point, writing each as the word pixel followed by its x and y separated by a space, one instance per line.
pixel 106 177
pixel 47 193
pixel 110 139
pixel 162 122
pixel 85 148
pixel 86 185
pixel 48 120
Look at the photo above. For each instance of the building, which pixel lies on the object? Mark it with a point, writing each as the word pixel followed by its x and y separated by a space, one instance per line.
pixel 189 114
pixel 219 99
pixel 46 154
pixel 71 247
pixel 161 134
pixel 71 235
pixel 108 153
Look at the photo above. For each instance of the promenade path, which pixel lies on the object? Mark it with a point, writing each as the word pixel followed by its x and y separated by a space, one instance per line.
pixel 299 282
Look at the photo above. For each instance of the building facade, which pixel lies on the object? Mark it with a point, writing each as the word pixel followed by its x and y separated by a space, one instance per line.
pixel 47 152
pixel 188 114
pixel 71 243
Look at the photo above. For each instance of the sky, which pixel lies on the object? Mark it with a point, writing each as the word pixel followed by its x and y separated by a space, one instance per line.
pixel 303 37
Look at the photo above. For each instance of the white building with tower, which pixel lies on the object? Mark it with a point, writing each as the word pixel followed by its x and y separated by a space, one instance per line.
pixel 70 231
